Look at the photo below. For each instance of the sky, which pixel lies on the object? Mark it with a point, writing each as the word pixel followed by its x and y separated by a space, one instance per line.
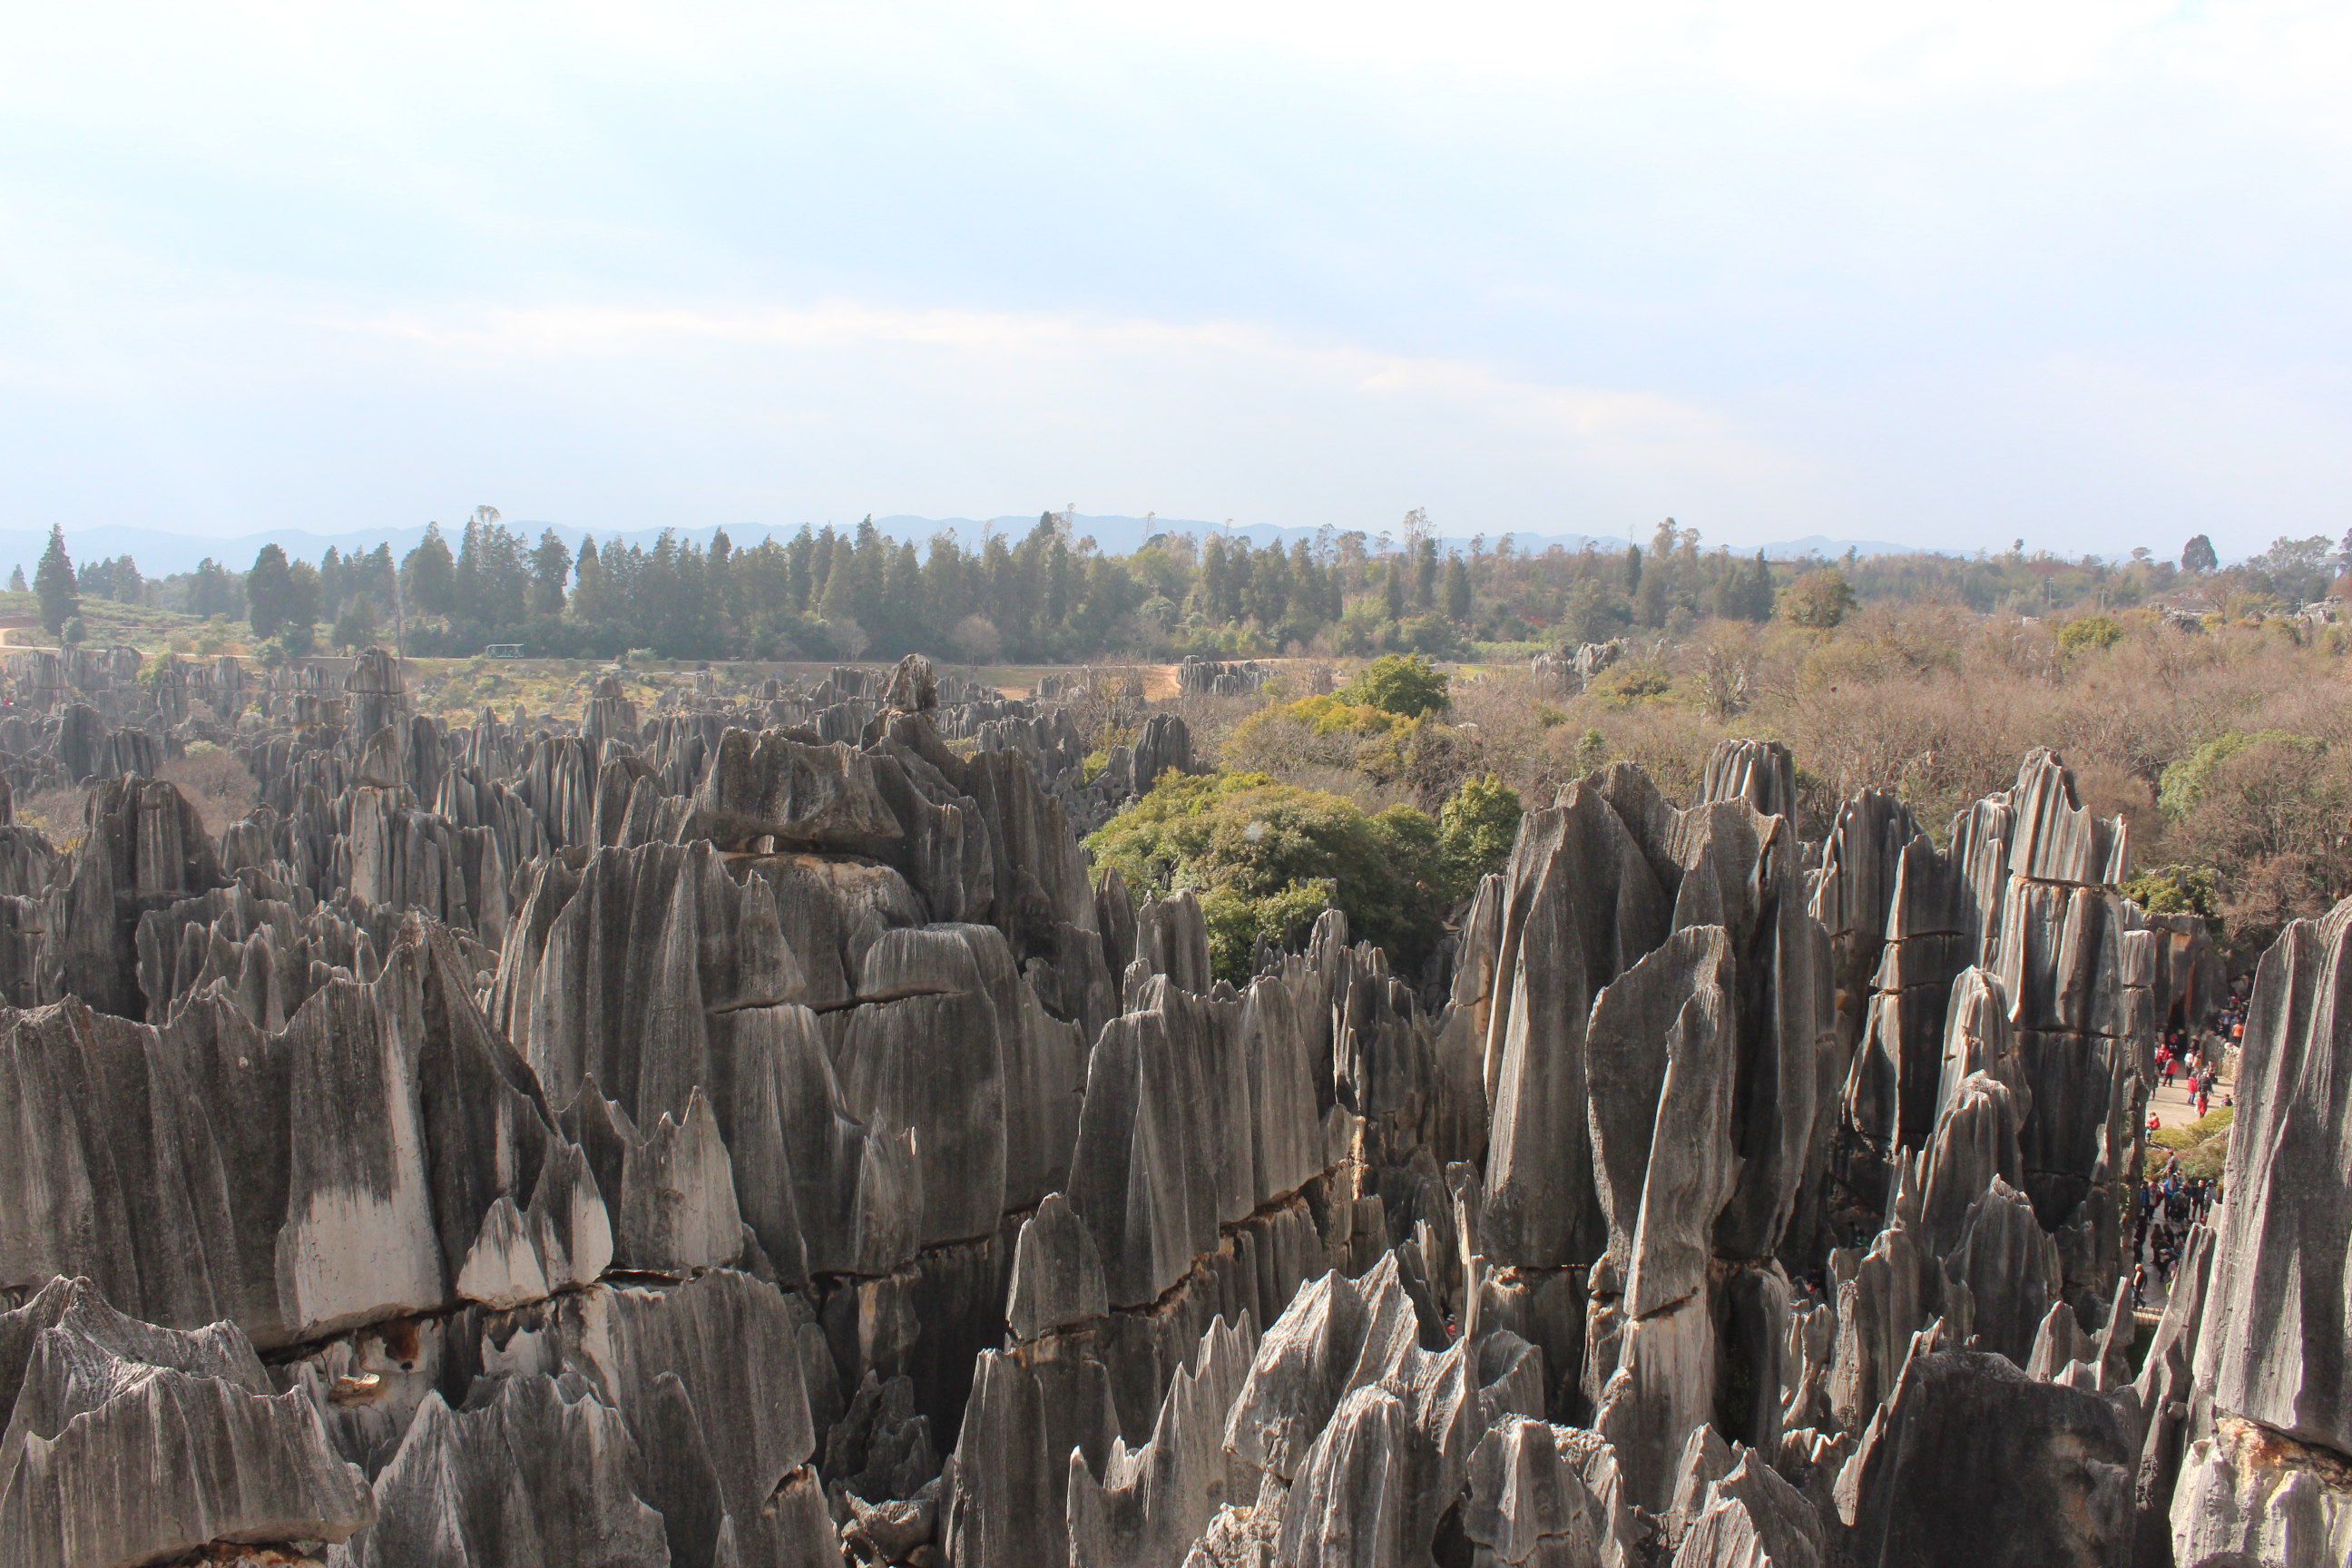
pixel 1947 274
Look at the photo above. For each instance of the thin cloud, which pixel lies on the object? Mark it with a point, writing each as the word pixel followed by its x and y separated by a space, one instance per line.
pixel 1623 421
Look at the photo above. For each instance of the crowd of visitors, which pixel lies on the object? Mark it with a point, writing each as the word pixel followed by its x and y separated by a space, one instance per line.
pixel 2170 1201
pixel 2176 1061
pixel 2165 1207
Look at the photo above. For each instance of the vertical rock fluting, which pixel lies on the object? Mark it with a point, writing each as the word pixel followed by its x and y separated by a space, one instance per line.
pixel 2249 1387
pixel 657 1144
pixel 1659 1125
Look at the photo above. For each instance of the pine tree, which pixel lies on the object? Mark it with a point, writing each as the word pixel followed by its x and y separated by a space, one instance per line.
pixel 355 627
pixel 54 581
pixel 797 569
pixel 551 565
pixel 430 575
pixel 268 592
pixel 1457 590
pixel 838 604
pixel 592 597
pixel 301 607
pixel 1744 592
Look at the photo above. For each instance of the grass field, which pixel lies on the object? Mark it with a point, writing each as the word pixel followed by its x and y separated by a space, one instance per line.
pixel 108 624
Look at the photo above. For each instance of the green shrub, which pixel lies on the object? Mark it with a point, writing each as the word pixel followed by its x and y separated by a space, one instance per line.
pixel 1818 599
pixel 1236 920
pixel 1477 828
pixel 2184 782
pixel 1330 715
pixel 1425 756
pixel 2179 890
pixel 2204 1145
pixel 1266 856
pixel 1631 682
pixel 2085 632
pixel 1404 684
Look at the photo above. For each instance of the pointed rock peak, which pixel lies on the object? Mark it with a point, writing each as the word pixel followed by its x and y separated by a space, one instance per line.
pixel 1057 1274
pixel 503 1268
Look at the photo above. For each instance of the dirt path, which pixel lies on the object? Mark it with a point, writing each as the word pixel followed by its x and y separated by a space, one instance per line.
pixel 2175 1107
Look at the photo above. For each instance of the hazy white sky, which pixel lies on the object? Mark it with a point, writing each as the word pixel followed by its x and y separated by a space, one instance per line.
pixel 1947 274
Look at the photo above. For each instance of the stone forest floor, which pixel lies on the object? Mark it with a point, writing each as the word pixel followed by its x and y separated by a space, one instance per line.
pixel 2176 1107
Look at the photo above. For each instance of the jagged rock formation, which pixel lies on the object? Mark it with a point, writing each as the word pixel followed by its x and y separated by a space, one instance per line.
pixel 126 1442
pixel 1974 1462
pixel 2248 1386
pixel 744 1133
pixel 1574 672
pixel 1198 676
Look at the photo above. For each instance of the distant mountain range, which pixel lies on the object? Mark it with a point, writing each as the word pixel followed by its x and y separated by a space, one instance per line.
pixel 159 552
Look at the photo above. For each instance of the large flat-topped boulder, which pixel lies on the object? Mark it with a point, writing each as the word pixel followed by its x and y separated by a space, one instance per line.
pixel 795 794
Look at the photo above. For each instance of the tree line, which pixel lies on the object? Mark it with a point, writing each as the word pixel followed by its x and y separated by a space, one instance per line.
pixel 1050 595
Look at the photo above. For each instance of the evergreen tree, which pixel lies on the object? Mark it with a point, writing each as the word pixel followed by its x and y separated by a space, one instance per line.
pixel 301 605
pixel 1218 601
pixel 493 582
pixel 796 568
pixel 551 566
pixel 2199 555
pixel 1458 589
pixel 1268 598
pixel 840 595
pixel 1744 590
pixel 213 590
pixel 868 559
pixel 377 576
pixel 997 588
pixel 1818 599
pixel 820 565
pixel 592 596
pixel 429 574
pixel 268 590
pixel 53 580
pixel 17 579
pixel 904 628
pixel 355 627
